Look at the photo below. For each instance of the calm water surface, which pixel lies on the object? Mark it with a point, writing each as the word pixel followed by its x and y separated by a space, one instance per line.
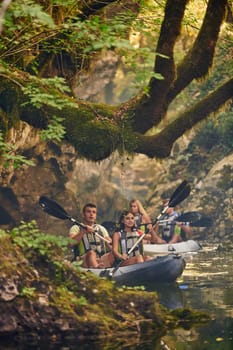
pixel 206 284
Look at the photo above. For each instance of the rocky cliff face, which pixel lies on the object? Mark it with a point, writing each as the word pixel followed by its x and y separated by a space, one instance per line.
pixel 21 188
pixel 58 174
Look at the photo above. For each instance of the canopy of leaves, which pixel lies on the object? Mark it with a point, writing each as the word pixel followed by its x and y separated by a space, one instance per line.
pixel 45 45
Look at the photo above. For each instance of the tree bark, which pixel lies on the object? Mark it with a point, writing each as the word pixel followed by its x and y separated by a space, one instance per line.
pixel 199 59
pixel 150 109
pixel 196 64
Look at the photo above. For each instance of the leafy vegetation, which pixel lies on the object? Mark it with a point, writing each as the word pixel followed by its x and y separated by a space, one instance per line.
pixel 217 131
pixel 28 292
pixel 30 238
pixel 9 157
pixel 46 92
pixel 55 130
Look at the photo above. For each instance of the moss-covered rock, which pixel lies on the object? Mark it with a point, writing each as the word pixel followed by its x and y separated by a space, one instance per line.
pixel 43 293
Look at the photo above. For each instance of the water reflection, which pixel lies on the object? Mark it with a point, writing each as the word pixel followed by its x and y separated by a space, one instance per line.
pixel 110 344
pixel 207 284
pixel 170 294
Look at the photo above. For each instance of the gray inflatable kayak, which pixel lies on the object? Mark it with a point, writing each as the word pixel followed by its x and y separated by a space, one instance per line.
pixel 162 269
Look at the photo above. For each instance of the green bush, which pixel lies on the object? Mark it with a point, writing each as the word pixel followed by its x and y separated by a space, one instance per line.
pixel 28 237
pixel 226 128
pixel 208 136
pixel 217 131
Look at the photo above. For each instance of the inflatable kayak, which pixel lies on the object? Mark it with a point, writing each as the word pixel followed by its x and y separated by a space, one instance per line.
pixel 180 247
pixel 159 270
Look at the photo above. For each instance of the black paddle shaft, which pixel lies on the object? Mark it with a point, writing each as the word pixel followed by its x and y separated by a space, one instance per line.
pixel 180 194
pixel 52 208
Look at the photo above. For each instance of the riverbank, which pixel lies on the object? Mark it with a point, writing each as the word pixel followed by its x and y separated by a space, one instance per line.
pixel 44 295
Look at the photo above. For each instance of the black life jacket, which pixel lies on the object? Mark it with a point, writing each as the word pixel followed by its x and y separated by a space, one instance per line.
pixel 167 229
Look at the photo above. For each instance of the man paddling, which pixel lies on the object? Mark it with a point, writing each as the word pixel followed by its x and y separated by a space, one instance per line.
pixel 167 229
pixel 93 240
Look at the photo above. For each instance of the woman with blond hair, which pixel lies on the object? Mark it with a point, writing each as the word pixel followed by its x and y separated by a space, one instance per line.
pixel 142 219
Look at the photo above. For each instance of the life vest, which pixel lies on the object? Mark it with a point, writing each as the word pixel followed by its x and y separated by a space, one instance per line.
pixel 91 242
pixel 138 219
pixel 139 224
pixel 127 241
pixel 168 229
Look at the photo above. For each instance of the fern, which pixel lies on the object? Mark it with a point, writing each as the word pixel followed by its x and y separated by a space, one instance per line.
pixel 55 130
pixel 9 157
pixel 48 92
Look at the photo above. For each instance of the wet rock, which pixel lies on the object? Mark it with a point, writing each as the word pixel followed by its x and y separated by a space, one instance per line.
pixel 8 290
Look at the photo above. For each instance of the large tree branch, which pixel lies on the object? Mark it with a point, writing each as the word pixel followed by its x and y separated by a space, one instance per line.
pixel 150 110
pixel 196 64
pixel 199 59
pixel 160 145
pixel 97 130
pixel 90 7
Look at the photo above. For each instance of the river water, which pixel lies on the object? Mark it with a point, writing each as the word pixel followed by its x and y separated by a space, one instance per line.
pixel 206 284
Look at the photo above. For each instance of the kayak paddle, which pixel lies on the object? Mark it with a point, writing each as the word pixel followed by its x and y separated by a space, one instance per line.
pixel 177 197
pixel 110 274
pixel 203 221
pixel 51 207
pixel 196 219
pixel 192 218
pixel 180 194
pixel 189 216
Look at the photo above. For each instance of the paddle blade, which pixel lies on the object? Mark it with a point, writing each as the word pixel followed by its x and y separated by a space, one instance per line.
pixel 179 189
pixel 53 208
pixel 195 219
pixel 205 221
pixel 190 216
pixel 180 194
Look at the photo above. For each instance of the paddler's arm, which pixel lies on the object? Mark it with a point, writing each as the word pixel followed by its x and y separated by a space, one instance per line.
pixel 106 237
pixel 155 239
pixel 186 228
pixel 147 222
pixel 77 233
pixel 177 235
